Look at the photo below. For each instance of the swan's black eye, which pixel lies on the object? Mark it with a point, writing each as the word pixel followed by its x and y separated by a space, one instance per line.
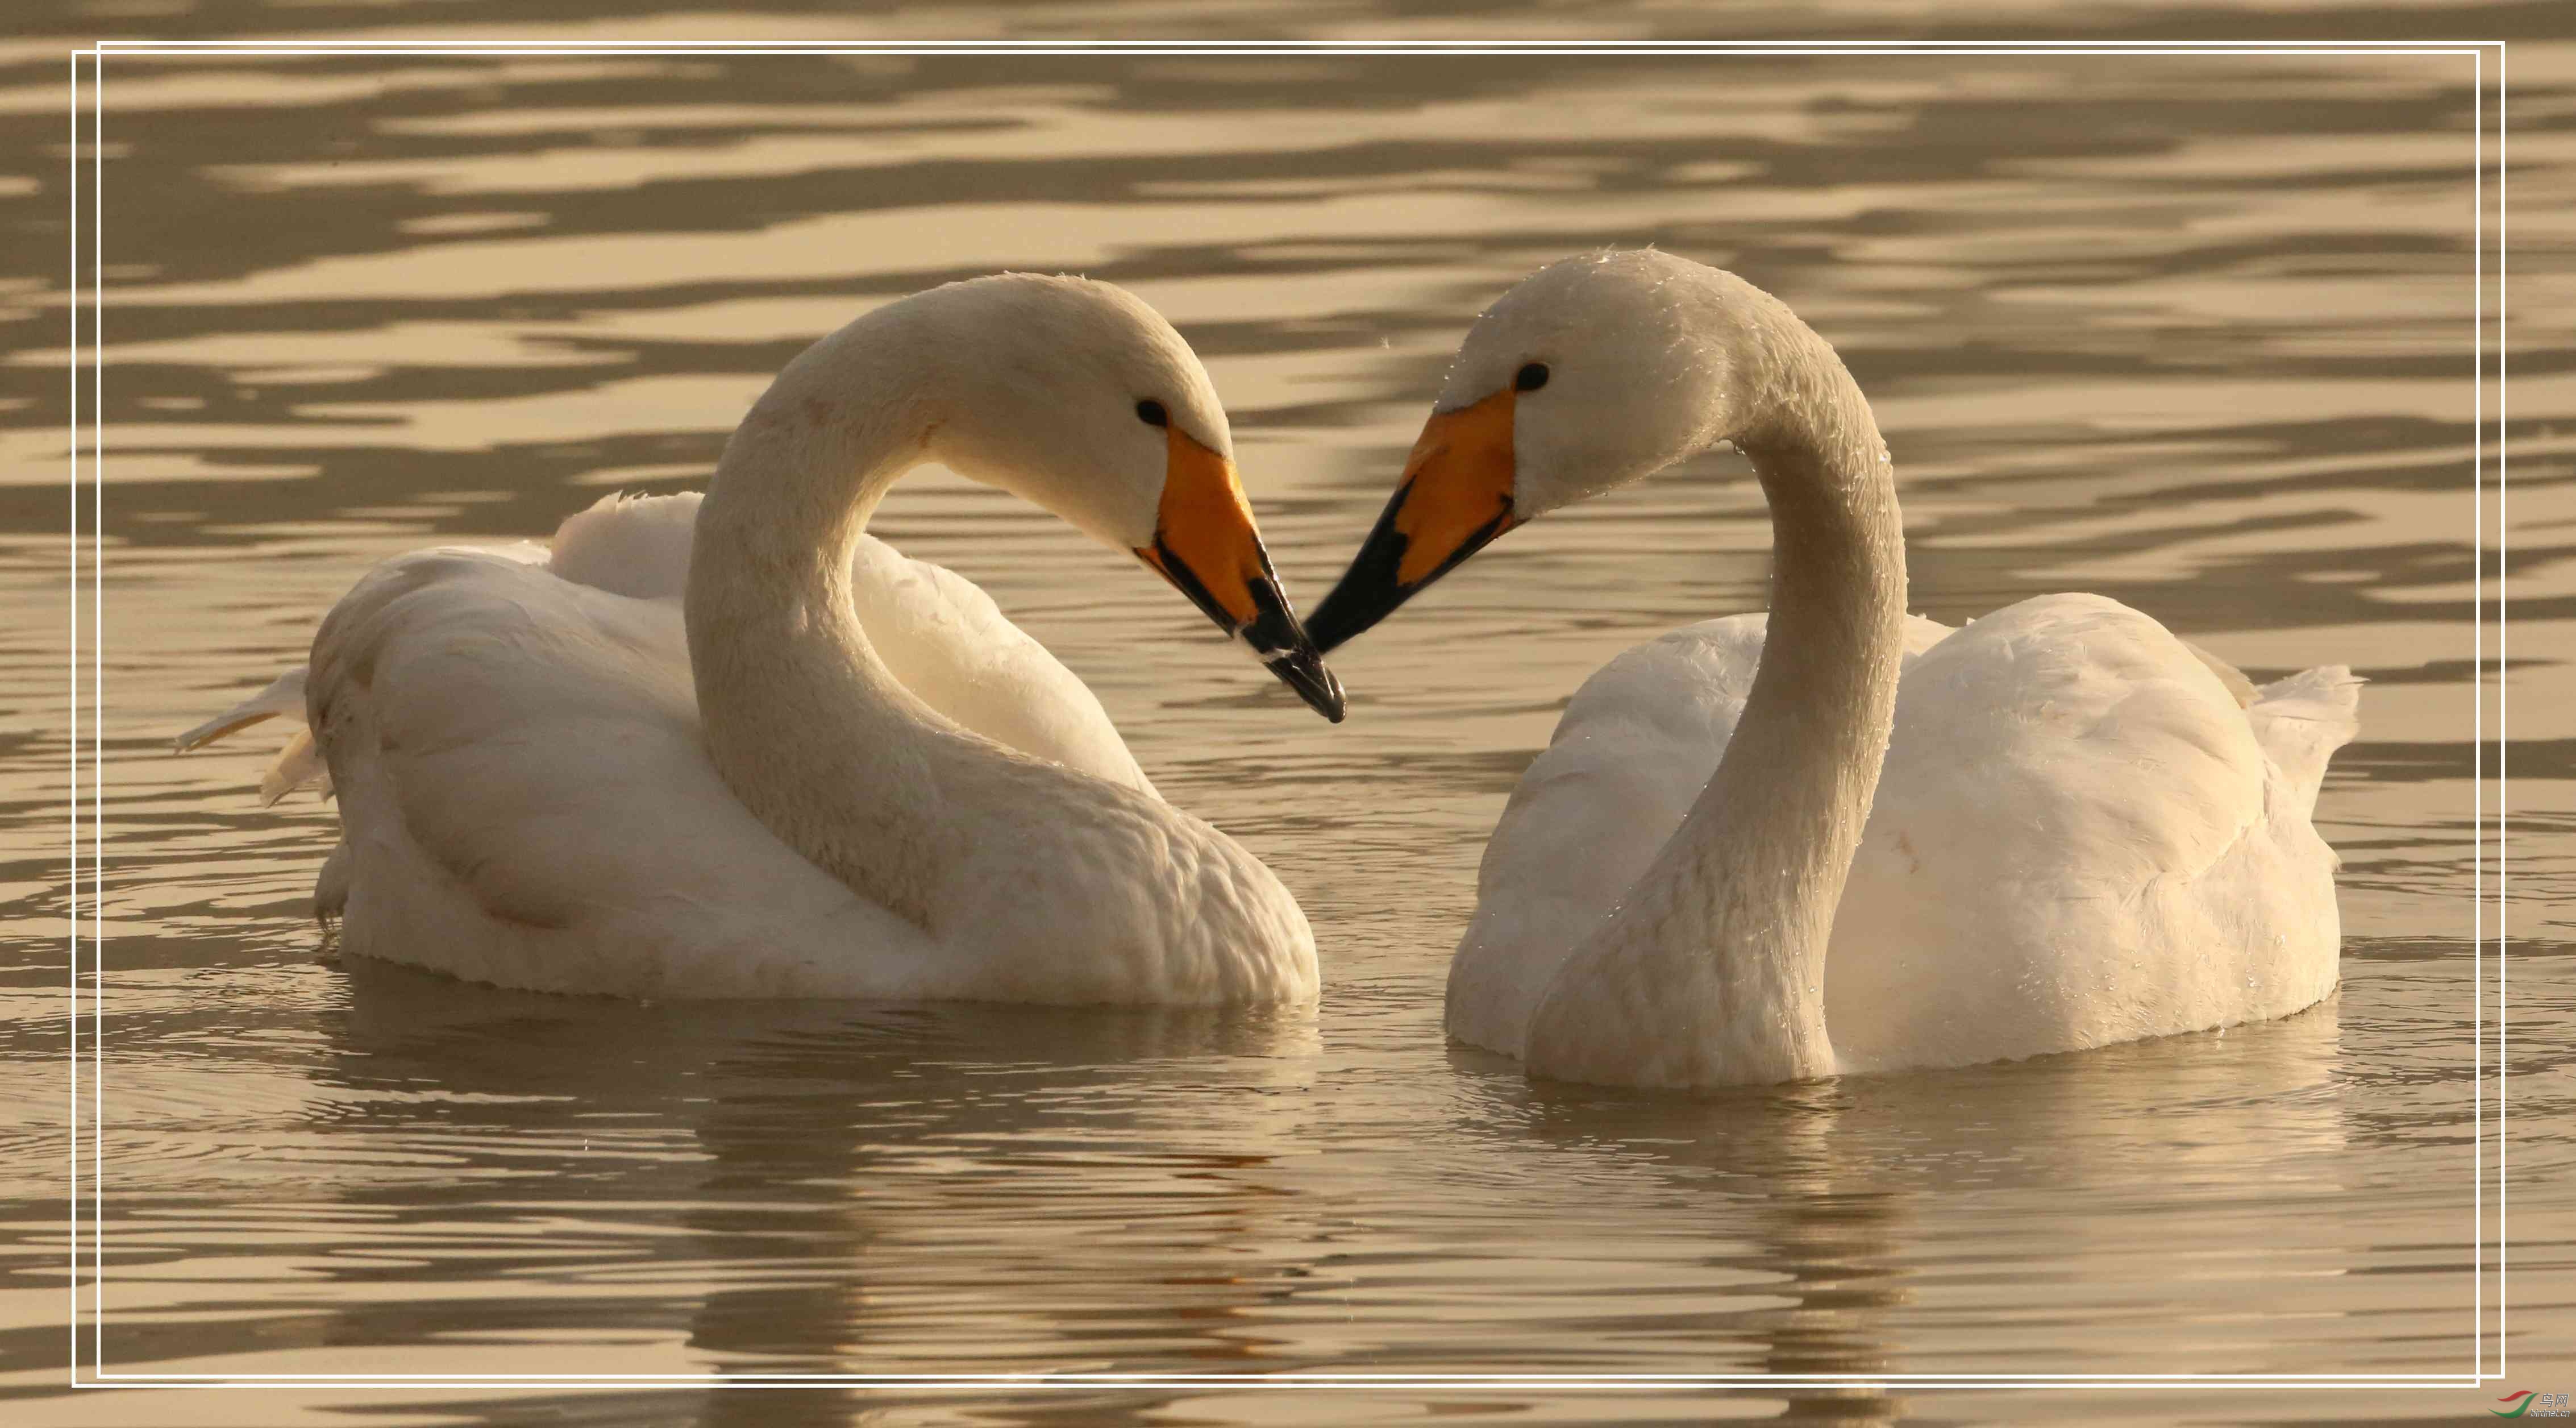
pixel 1151 413
pixel 1530 378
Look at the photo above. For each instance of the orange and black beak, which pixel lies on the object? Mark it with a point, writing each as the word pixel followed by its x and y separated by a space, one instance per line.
pixel 1206 545
pixel 1456 497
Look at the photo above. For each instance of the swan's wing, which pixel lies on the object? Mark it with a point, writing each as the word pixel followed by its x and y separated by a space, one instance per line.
pixel 936 630
pixel 629 545
pixel 605 542
pixel 1635 747
pixel 299 764
pixel 2238 687
pixel 2078 838
pixel 526 801
pixel 940 634
pixel 951 645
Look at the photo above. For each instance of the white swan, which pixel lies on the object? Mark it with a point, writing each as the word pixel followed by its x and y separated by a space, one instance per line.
pixel 2086 831
pixel 789 761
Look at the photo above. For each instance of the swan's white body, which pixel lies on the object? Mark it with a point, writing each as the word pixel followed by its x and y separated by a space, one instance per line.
pixel 2079 837
pixel 1878 843
pixel 856 780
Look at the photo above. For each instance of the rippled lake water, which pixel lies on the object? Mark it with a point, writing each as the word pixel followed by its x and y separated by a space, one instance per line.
pixel 2195 331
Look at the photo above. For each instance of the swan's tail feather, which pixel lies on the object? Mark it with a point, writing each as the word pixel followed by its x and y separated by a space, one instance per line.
pixel 284 695
pixel 298 765
pixel 2301 720
pixel 2329 694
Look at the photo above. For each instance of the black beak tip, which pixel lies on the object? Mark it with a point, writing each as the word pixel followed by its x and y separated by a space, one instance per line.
pixel 1304 671
pixel 1326 698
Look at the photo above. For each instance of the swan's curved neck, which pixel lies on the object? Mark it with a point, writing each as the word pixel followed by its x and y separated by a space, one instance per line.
pixel 811 731
pixel 1719 949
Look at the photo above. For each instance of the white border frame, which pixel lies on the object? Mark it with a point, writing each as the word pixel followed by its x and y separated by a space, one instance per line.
pixel 88 982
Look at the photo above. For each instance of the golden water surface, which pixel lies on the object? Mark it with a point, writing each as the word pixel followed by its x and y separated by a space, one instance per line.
pixel 2194 331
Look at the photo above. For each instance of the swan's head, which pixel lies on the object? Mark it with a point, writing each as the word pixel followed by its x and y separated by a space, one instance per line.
pixel 1593 372
pixel 1077 396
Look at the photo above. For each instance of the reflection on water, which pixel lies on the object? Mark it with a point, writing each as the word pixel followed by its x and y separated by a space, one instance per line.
pixel 2187 330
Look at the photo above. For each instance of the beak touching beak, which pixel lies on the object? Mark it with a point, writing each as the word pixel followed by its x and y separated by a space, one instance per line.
pixel 1455 498
pixel 1206 544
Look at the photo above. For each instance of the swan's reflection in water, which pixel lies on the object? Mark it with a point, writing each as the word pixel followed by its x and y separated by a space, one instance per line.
pixel 1843 1196
pixel 847 1188
pixel 801 1188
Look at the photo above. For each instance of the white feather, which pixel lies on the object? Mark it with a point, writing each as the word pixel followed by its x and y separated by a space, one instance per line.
pixel 2084 829
pixel 2079 837
pixel 526 791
